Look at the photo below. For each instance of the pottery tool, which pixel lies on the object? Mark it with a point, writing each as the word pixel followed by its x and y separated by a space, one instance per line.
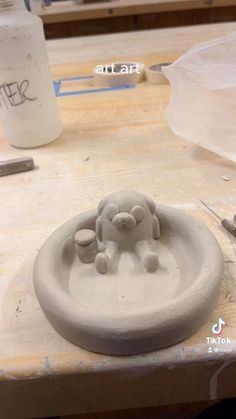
pixel 118 74
pixel 154 74
pixel 22 164
pixel 228 225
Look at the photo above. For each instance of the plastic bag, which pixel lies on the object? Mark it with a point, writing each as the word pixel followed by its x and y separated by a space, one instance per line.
pixel 202 107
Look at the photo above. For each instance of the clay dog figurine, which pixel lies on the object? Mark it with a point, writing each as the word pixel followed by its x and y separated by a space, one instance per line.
pixel 127 220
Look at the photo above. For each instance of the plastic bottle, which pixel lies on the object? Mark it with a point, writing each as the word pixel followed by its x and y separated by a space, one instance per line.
pixel 28 108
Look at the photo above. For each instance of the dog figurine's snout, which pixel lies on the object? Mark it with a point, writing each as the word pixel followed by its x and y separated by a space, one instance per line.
pixel 124 220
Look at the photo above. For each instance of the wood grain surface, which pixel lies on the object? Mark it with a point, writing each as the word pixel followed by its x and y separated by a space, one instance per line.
pixel 111 140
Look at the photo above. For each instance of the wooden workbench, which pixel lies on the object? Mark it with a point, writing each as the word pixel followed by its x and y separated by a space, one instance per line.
pixel 70 10
pixel 111 140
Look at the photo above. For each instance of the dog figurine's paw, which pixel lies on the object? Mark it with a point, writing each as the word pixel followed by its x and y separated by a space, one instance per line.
pixel 151 262
pixel 102 263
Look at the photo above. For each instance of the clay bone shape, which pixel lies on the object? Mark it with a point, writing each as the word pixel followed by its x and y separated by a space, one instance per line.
pixel 127 220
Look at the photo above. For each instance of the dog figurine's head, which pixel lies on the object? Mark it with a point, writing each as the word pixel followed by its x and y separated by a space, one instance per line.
pixel 123 212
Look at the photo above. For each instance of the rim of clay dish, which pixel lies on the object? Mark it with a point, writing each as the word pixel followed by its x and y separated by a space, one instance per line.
pixel 193 305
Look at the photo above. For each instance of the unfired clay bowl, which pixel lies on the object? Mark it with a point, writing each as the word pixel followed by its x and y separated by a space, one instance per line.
pixel 130 310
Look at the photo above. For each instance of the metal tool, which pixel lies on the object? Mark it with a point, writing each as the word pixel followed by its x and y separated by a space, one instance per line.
pixel 22 164
pixel 228 225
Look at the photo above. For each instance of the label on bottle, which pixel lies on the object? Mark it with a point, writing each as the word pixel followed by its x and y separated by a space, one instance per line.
pixel 16 93
pixel 25 89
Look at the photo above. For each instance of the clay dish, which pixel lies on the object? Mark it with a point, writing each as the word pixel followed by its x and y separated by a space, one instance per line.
pixel 130 310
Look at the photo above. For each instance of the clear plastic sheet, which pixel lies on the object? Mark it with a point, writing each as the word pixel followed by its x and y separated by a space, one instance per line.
pixel 202 107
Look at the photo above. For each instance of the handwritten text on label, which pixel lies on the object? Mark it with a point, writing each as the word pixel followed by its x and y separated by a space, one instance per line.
pixel 14 94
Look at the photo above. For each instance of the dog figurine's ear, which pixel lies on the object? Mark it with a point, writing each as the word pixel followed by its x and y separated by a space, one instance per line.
pixel 101 206
pixel 156 227
pixel 98 228
pixel 151 205
pixel 155 221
